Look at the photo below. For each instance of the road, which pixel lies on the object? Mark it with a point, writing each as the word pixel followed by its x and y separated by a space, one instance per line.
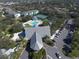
pixel 24 55
pixel 58 45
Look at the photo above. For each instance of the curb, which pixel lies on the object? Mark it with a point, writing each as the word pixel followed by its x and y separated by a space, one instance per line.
pixel 21 53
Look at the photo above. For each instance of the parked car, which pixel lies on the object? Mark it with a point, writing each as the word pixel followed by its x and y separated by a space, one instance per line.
pixel 58 55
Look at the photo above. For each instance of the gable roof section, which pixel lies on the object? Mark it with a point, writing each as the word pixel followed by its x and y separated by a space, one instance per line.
pixel 42 31
pixel 36 42
pixel 70 21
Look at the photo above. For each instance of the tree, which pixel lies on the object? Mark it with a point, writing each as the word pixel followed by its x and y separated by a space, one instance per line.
pixel 25 18
pixel 47 40
pixel 39 55
pixel 6 43
pixel 15 28
pixel 74 53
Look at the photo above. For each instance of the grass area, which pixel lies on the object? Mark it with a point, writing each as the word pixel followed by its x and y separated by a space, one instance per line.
pixel 38 55
pixel 57 24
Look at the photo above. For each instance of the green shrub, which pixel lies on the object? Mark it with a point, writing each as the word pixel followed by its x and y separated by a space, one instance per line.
pixel 48 41
pixel 37 55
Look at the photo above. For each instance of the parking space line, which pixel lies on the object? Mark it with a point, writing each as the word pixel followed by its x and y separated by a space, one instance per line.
pixel 49 57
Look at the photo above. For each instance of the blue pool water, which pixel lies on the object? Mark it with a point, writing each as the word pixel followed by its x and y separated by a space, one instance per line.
pixel 34 23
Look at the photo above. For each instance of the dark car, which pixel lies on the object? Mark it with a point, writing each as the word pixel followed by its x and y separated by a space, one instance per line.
pixel 67 48
pixel 58 55
pixel 72 27
pixel 70 35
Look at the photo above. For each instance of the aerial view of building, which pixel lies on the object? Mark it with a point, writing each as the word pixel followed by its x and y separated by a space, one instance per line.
pixel 39 29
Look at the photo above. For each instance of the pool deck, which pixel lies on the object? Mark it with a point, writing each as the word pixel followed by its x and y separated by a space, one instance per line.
pixel 32 22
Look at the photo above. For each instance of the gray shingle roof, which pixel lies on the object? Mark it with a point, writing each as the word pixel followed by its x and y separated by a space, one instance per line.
pixel 70 21
pixel 36 42
pixel 42 31
pixel 41 16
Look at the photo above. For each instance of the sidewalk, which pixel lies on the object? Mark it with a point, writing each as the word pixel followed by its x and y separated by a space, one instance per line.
pixel 53 36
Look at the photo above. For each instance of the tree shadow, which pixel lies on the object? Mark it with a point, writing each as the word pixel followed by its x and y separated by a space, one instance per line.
pixel 66 49
pixel 68 41
pixel 28 49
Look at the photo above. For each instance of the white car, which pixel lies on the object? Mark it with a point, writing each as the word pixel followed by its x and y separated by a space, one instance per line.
pixel 59 57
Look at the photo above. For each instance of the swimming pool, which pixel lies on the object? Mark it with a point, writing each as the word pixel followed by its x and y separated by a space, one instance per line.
pixel 34 23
